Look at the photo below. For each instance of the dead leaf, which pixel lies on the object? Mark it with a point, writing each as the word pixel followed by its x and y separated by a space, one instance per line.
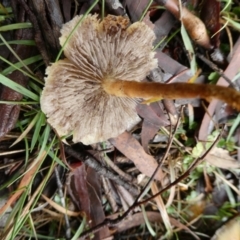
pixel 85 190
pixel 230 72
pixel 163 26
pixel 229 231
pixel 210 14
pixel 147 21
pixel 132 149
pixel 220 158
pixel 161 207
pixel 136 8
pixel 137 219
pixel 169 65
pixel 153 118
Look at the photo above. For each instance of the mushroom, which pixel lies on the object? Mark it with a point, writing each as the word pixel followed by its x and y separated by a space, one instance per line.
pixel 93 92
pixel 73 98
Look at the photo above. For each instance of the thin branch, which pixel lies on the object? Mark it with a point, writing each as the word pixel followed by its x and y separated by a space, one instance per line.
pixel 90 161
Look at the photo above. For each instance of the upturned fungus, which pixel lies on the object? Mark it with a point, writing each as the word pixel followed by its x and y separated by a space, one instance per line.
pixel 93 92
pixel 74 99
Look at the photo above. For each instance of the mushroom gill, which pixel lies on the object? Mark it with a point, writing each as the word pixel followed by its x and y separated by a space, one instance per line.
pixel 73 98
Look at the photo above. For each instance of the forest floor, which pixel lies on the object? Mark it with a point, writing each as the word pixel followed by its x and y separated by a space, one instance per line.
pixel 167 167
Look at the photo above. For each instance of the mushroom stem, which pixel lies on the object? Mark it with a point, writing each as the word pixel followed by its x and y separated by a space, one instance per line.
pixel 178 90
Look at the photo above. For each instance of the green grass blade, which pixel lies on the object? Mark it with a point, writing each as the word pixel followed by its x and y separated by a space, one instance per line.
pixel 56 159
pixel 80 229
pixel 24 62
pixel 232 23
pixel 18 88
pixel 14 53
pixel 35 87
pixel 148 224
pixel 145 10
pixel 40 121
pixel 233 127
pixel 70 35
pixel 21 42
pixel 44 137
pixel 15 26
pixel 18 102
pixel 21 70
pixel 189 47
pixel 26 131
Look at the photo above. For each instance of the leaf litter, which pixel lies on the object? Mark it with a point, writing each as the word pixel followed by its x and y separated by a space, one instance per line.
pixel 85 185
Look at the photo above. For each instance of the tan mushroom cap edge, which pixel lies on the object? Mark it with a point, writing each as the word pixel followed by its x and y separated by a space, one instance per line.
pixel 73 98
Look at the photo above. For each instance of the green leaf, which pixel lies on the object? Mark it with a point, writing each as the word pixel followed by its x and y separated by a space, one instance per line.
pixel 213 77
pixel 198 150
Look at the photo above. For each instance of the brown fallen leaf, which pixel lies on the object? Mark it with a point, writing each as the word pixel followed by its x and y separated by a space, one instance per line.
pixel 230 72
pixel 154 217
pixel 153 118
pixel 220 158
pixel 229 231
pixel 132 149
pixel 136 8
pixel 210 14
pixel 85 190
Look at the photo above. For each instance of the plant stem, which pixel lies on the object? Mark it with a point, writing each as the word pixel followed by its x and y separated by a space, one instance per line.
pixel 159 91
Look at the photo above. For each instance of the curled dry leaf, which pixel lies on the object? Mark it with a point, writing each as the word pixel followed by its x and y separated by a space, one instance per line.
pixel 194 26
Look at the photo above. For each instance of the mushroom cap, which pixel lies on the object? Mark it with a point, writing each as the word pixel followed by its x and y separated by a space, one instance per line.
pixel 73 98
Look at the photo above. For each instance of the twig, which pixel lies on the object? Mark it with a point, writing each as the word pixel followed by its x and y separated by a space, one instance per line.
pixel 218 70
pixel 89 160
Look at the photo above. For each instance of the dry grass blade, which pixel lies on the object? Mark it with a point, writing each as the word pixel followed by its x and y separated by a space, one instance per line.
pixel 61 209
pixel 162 209
pixel 25 181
